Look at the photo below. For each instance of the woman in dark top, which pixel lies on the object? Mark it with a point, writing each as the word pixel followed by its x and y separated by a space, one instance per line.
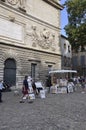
pixel 25 86
pixel 24 89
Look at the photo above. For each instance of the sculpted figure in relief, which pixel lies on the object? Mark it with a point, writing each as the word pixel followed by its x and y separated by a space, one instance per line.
pixel 52 41
pixel 45 34
pixel 34 35
pixel 45 39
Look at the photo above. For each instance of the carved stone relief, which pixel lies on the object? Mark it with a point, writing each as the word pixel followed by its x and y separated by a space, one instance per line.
pixel 34 36
pixel 45 39
pixel 21 4
pixel 13 2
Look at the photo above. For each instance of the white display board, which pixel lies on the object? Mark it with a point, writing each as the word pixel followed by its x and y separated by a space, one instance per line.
pixel 42 93
pixel 11 30
pixel 38 84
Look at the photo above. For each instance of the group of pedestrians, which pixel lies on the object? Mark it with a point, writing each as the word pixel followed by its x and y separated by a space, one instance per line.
pixel 70 83
pixel 80 80
pixel 28 87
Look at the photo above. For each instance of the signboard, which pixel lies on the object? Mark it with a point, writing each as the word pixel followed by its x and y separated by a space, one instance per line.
pixel 38 84
pixel 11 30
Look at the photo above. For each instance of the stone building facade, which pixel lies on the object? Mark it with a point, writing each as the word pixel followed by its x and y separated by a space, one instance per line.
pixel 66 53
pixel 29 39
pixel 79 61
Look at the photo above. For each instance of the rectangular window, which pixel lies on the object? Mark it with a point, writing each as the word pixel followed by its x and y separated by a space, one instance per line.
pixel 33 70
pixel 75 61
pixel 49 68
pixel 82 60
pixel 62 61
pixel 64 45
pixel 69 62
pixel 69 49
pixel 11 30
pixel 65 61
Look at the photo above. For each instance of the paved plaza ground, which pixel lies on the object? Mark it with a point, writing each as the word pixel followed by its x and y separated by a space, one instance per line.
pixel 55 112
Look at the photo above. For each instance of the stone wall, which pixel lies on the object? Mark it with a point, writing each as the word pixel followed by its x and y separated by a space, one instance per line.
pixel 30 34
pixel 24 57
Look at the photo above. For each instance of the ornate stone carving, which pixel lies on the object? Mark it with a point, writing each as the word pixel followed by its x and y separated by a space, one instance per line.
pixel 52 41
pixel 13 2
pixel 11 18
pixel 45 34
pixel 34 36
pixel 22 3
pixel 45 39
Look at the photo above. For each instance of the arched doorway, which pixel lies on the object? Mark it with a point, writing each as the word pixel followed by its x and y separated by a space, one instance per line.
pixel 10 72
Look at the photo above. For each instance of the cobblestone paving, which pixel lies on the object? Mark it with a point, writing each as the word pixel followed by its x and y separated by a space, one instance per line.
pixel 56 112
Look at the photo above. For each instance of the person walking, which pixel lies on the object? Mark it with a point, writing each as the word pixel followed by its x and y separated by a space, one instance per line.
pixel 29 80
pixel 25 89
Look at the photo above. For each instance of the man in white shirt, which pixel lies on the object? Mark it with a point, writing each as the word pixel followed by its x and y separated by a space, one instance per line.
pixel 29 80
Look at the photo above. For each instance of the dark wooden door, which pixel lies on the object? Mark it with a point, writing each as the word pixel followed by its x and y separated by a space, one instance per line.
pixel 10 72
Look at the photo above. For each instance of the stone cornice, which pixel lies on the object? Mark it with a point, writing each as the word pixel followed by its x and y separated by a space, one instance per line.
pixel 22 47
pixel 34 60
pixel 48 62
pixel 64 37
pixel 54 4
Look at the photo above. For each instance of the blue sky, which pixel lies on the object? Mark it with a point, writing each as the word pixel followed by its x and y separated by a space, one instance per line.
pixel 64 20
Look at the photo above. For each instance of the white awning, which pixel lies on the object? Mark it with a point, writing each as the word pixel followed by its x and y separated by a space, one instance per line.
pixel 63 71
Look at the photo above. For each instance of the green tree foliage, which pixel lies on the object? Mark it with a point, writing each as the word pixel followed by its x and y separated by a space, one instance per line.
pixel 76 28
